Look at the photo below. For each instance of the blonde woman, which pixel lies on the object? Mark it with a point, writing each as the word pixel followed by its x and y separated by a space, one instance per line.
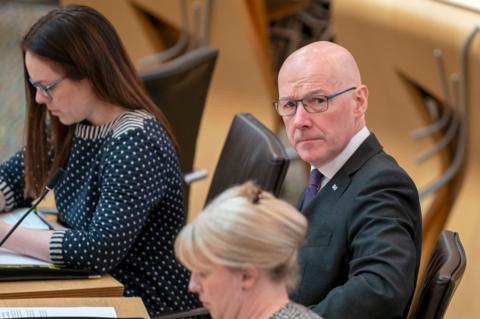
pixel 242 252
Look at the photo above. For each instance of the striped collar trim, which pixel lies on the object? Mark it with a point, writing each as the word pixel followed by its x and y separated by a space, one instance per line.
pixel 123 123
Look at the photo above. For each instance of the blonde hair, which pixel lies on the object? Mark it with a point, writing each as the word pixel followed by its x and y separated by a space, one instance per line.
pixel 244 227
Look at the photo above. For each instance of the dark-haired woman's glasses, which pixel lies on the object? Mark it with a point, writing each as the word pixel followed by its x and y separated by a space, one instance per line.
pixel 45 89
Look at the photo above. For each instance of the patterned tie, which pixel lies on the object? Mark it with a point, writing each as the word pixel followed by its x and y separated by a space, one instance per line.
pixel 314 182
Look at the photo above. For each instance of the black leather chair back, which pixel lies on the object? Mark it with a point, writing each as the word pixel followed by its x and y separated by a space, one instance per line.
pixel 442 276
pixel 179 87
pixel 250 152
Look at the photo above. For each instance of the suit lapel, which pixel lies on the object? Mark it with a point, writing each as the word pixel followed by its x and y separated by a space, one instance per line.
pixel 334 189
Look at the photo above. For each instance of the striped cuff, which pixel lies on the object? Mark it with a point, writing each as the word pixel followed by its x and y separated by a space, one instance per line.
pixel 56 247
pixel 8 194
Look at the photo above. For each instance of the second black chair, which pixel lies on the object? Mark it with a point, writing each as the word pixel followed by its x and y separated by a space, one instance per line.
pixel 180 87
pixel 444 271
pixel 251 152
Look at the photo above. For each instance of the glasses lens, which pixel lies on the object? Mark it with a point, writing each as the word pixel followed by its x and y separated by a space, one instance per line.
pixel 46 93
pixel 286 107
pixel 316 103
pixel 43 90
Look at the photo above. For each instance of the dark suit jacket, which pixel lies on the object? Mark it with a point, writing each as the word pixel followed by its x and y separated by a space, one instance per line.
pixel 362 252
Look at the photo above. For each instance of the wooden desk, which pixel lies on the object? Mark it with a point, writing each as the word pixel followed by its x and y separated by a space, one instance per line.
pixel 106 286
pixel 125 307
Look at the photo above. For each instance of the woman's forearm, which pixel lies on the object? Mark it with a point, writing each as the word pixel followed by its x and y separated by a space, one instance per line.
pixel 26 241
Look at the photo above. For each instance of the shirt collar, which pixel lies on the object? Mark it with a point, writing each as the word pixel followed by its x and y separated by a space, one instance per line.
pixel 331 168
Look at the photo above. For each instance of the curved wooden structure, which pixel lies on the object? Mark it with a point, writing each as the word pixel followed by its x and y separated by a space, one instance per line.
pixel 411 52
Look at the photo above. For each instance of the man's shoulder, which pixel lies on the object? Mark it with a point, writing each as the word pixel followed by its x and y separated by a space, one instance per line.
pixel 371 158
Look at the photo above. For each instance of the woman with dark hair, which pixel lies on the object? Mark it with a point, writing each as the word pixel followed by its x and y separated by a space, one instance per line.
pixel 121 195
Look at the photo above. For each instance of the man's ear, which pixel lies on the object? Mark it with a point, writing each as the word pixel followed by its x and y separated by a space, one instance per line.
pixel 361 100
pixel 249 277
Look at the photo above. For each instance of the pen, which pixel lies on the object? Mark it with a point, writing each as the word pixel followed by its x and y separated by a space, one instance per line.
pixel 46 222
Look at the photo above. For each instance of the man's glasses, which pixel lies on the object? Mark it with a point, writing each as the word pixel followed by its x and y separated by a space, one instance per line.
pixel 311 104
pixel 45 89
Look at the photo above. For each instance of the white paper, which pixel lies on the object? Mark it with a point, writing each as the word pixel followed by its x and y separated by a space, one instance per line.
pixel 44 312
pixel 31 221
pixel 7 257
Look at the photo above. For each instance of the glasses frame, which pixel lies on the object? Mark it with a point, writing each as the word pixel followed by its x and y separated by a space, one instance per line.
pixel 45 89
pixel 307 108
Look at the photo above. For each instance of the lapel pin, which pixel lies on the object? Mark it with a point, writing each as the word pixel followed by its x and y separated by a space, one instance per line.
pixel 334 187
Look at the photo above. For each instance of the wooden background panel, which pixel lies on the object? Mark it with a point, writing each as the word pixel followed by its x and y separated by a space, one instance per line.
pixel 390 38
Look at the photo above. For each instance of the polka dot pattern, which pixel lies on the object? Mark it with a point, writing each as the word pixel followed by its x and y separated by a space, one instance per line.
pixel 122 198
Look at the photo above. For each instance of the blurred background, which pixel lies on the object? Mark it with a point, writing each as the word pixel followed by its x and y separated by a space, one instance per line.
pixel 419 58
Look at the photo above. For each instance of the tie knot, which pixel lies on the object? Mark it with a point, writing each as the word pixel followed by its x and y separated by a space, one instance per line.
pixel 315 178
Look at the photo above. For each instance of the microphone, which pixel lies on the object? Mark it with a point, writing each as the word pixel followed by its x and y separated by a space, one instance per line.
pixel 50 186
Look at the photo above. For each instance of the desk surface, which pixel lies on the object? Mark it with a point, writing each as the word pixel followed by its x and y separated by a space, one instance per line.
pixel 106 286
pixel 124 307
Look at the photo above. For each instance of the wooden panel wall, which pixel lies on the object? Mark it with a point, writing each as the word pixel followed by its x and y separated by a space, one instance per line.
pixel 395 39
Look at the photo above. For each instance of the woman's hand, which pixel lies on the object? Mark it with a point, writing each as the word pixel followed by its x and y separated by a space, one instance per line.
pixel 26 241
pixel 4 228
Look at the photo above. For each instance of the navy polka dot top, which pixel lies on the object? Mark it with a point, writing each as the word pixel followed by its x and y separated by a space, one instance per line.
pixel 122 198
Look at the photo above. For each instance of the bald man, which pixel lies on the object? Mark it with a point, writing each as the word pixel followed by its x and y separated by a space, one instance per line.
pixel 361 256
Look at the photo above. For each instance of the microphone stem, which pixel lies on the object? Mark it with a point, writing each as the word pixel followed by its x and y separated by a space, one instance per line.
pixel 45 192
pixel 50 185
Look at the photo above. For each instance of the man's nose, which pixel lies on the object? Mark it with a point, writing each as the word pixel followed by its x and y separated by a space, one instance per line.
pixel 301 117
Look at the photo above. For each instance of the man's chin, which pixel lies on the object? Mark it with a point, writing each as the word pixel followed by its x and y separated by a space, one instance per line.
pixel 308 144
pixel 309 155
pixel 307 148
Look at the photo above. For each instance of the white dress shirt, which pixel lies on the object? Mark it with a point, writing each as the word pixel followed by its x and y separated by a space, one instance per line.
pixel 331 168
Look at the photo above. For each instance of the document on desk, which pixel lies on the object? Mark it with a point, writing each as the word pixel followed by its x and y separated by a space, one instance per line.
pixel 31 221
pixel 14 266
pixel 8 257
pixel 45 312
